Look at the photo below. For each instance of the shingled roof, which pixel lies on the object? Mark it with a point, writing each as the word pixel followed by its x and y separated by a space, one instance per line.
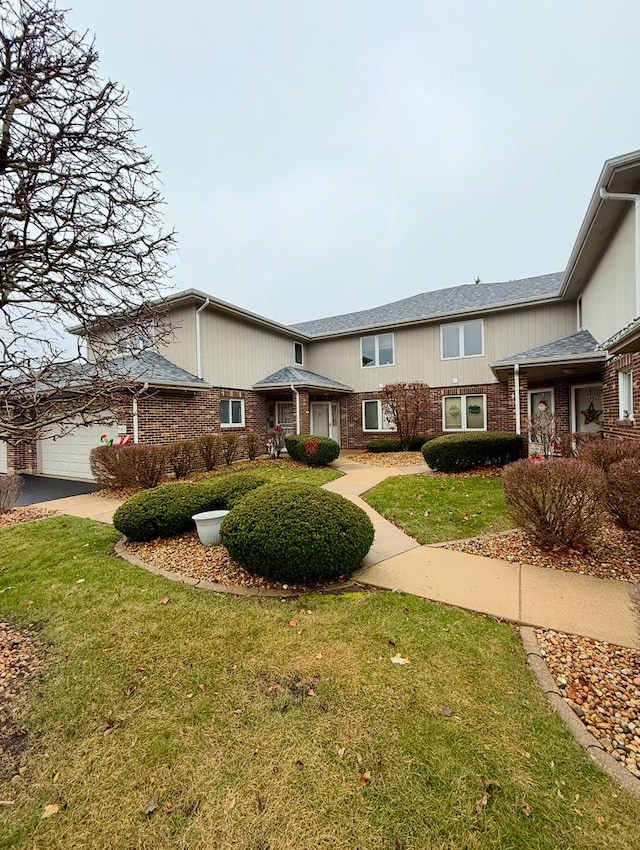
pixel 292 375
pixel 152 368
pixel 457 300
pixel 580 344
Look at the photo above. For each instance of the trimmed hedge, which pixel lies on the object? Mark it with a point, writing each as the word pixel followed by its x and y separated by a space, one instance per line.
pixel 454 452
pixel 385 444
pixel 312 450
pixel 166 511
pixel 297 533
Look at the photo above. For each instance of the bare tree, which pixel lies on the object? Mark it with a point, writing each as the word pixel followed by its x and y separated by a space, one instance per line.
pixel 80 234
pixel 406 405
pixel 542 428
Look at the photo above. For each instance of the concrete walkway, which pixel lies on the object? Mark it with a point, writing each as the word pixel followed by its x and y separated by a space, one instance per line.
pixel 552 599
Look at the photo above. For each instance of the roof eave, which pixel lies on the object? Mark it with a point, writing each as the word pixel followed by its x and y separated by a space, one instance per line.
pixel 591 357
pixel 302 385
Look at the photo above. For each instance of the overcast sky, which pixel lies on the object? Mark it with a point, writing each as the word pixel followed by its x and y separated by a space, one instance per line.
pixel 322 157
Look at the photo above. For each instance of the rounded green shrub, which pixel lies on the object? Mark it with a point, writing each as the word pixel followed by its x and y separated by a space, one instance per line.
pixel 456 452
pixel 383 444
pixel 166 511
pixel 297 533
pixel 312 450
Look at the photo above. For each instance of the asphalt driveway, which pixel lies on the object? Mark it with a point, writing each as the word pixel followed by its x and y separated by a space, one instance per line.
pixel 40 488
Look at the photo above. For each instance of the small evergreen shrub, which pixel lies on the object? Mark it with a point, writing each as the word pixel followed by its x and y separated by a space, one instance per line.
pixel 253 445
pixel 416 443
pixel 209 448
pixel 230 446
pixel 558 502
pixel 623 492
pixel 181 457
pixel 10 489
pixel 297 533
pixel 139 465
pixel 604 453
pixel 312 450
pixel 455 452
pixel 166 511
pixel 383 444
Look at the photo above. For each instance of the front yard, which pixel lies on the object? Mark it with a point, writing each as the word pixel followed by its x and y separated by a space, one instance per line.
pixel 165 716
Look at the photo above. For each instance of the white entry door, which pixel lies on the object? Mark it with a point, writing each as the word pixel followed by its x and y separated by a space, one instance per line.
pixel 3 456
pixel 325 419
pixel 587 408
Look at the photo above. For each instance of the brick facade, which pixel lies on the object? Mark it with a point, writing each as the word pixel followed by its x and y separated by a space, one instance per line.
pixel 613 425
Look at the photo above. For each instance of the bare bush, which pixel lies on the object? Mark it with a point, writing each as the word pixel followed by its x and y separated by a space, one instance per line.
pixel 253 445
pixel 623 492
pixel 406 405
pixel 129 466
pixel 10 489
pixel 605 453
pixel 572 443
pixel 209 448
pixel 230 446
pixel 181 457
pixel 556 502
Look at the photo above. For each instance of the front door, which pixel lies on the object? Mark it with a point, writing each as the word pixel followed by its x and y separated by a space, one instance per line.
pixel 285 418
pixel 320 418
pixel 587 408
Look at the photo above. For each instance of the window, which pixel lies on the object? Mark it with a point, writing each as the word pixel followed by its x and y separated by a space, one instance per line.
pixel 377 350
pixel 464 413
pixel 297 353
pixel 625 394
pixel 462 339
pixel 541 401
pixel 375 417
pixel 132 340
pixel 232 412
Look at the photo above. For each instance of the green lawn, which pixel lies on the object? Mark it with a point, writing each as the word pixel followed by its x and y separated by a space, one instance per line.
pixel 282 471
pixel 435 508
pixel 263 725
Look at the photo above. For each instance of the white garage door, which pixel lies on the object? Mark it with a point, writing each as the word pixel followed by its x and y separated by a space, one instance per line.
pixel 3 456
pixel 68 456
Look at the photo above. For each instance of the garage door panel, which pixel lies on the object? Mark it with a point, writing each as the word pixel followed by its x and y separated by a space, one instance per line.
pixel 68 456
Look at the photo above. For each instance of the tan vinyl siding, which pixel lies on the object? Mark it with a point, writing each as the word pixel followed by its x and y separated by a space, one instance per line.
pixel 609 300
pixel 177 337
pixel 417 350
pixel 238 354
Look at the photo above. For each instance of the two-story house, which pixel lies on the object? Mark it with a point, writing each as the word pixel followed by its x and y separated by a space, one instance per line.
pixel 490 353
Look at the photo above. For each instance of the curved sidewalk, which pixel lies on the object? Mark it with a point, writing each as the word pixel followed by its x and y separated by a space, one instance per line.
pixel 535 596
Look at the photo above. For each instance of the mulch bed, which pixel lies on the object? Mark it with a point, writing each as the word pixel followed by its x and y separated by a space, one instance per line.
pixel 615 554
pixel 19 659
pixel 18 515
pixel 390 459
pixel 188 557
pixel 601 682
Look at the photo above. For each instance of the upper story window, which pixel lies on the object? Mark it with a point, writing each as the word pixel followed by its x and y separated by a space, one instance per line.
pixel 298 353
pixel 232 412
pixel 133 339
pixel 377 350
pixel 462 339
pixel 625 395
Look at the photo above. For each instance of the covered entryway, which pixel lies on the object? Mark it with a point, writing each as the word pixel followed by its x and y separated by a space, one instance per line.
pixel 325 419
pixel 67 456
pixel 3 456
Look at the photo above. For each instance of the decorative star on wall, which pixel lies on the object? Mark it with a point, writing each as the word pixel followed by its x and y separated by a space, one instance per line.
pixel 591 414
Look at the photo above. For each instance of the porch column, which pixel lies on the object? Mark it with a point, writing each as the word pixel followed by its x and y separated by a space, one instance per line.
pixel 305 414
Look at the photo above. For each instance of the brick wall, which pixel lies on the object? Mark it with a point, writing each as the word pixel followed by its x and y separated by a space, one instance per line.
pixel 613 425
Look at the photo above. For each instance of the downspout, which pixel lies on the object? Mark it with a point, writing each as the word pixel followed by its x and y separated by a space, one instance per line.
pixel 293 389
pixel 202 307
pixel 516 392
pixel 635 199
pixel 136 432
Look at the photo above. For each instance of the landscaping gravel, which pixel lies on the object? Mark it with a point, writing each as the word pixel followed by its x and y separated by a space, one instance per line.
pixel 615 554
pixel 18 660
pixel 601 683
pixel 187 556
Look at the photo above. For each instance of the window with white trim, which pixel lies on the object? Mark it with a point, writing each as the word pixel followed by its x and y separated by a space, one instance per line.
pixel 462 339
pixel 231 412
pixel 377 350
pixel 625 394
pixel 376 417
pixel 464 413
pixel 298 353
